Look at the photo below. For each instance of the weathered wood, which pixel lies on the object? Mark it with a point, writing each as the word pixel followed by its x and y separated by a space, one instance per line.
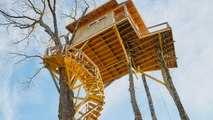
pixel 66 105
pixel 170 86
pixel 149 97
pixel 135 107
pixel 76 75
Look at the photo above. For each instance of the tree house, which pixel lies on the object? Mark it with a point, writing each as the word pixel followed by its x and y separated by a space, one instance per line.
pixel 106 40
pixel 107 34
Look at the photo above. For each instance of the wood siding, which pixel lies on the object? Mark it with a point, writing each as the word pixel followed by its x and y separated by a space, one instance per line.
pixel 85 32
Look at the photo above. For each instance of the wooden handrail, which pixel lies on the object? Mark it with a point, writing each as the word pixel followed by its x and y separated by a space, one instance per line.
pixel 156 26
pixel 164 23
pixel 77 55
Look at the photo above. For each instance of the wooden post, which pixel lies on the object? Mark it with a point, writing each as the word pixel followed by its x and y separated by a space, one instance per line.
pixel 170 86
pixel 135 107
pixel 66 105
pixel 149 97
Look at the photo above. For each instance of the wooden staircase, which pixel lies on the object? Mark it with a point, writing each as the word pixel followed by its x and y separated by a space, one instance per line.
pixel 83 77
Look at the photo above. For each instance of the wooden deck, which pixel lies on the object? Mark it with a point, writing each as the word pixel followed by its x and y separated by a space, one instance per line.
pixel 106 51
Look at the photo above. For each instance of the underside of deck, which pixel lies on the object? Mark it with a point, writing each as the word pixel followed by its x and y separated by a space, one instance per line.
pixel 108 49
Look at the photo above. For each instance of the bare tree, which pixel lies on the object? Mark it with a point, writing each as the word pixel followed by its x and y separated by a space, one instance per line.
pixel 33 17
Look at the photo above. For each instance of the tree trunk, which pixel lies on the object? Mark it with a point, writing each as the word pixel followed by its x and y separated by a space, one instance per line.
pixel 66 105
pixel 171 88
pixel 132 95
pixel 149 97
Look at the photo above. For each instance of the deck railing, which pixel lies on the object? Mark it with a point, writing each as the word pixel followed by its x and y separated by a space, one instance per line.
pixel 124 14
pixel 155 28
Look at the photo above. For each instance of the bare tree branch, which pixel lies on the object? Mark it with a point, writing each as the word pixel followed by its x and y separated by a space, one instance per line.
pixel 73 13
pixel 17 17
pixel 56 36
pixel 29 83
pixel 24 57
pixel 86 3
pixel 32 6
pixel 77 25
pixel 26 37
pixel 67 38
pixel 19 21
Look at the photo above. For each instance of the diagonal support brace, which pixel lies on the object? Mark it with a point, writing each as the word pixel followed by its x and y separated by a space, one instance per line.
pixel 149 76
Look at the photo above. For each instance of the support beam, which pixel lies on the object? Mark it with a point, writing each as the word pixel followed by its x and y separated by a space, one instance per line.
pixel 149 97
pixel 77 86
pixel 135 107
pixel 149 76
pixel 170 86
pixel 82 47
pixel 78 93
pixel 87 113
pixel 121 42
pixel 77 108
pixel 153 78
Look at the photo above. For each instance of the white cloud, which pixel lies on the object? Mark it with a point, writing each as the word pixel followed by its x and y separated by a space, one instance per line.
pixel 11 96
pixel 8 99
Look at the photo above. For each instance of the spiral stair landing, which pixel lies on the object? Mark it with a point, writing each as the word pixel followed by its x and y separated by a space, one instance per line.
pixel 83 77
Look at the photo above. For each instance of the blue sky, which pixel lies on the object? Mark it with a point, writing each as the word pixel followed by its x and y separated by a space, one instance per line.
pixel 192 29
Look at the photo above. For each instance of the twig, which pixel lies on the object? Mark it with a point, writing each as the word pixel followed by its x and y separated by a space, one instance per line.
pixel 29 83
pixel 24 57
pixel 77 24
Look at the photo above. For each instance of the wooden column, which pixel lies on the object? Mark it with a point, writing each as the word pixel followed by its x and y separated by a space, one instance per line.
pixel 170 86
pixel 135 107
pixel 149 97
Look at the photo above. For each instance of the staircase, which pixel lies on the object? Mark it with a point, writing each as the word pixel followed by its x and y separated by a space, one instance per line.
pixel 83 78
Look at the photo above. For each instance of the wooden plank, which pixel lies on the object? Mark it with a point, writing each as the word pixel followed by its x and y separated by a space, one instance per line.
pixel 121 42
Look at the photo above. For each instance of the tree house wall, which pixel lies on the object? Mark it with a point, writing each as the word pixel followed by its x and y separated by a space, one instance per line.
pixel 94 27
pixel 113 16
